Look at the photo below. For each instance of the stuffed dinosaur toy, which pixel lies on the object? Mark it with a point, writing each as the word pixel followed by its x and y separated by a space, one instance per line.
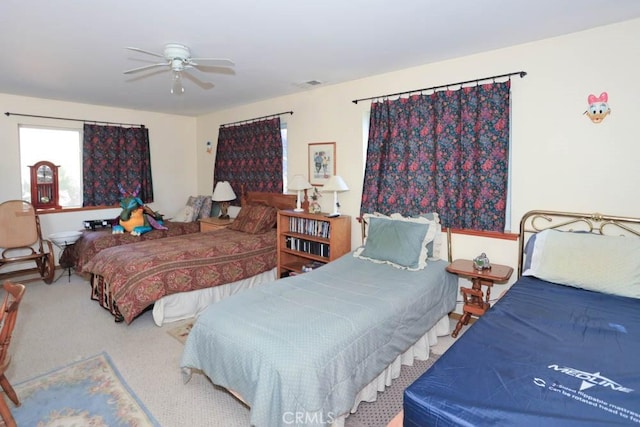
pixel 136 218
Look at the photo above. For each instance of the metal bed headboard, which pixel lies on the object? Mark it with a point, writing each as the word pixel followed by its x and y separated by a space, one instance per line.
pixel 538 220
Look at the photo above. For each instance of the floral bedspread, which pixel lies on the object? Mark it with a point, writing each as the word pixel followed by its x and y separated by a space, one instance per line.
pixel 92 242
pixel 139 274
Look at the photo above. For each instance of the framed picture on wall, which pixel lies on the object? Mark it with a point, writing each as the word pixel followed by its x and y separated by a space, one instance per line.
pixel 322 162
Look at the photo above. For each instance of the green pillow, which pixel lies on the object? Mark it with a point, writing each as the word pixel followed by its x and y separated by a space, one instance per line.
pixel 400 242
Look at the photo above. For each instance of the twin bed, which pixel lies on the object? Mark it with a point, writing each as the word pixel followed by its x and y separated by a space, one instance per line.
pixel 179 275
pixel 305 350
pixel 560 348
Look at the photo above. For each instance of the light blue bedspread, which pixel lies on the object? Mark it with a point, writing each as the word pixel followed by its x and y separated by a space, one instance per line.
pixel 299 349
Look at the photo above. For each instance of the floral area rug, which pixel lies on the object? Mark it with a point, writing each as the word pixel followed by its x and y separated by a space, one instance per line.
pixel 181 332
pixel 90 392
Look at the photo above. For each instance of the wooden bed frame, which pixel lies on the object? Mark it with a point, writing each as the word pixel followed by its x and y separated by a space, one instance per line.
pixel 277 200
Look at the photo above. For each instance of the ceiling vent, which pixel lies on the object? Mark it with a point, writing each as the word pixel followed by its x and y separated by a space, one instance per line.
pixel 308 84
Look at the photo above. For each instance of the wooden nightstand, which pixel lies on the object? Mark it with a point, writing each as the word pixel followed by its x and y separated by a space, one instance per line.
pixel 475 303
pixel 209 224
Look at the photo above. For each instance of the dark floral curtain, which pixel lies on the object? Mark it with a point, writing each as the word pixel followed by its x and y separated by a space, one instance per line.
pixel 113 156
pixel 446 152
pixel 250 155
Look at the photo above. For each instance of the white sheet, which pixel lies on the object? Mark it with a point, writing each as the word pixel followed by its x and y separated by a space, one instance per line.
pixel 185 305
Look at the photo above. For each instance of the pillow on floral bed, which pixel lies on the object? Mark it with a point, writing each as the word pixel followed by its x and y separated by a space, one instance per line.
pixel 255 219
pixel 205 209
pixel 186 214
pixel 196 204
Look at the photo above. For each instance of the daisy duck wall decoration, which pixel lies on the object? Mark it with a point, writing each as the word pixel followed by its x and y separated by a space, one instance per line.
pixel 598 107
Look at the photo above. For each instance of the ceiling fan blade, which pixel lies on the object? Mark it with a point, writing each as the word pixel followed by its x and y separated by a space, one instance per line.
pixel 136 77
pixel 146 67
pixel 194 79
pixel 137 49
pixel 213 69
pixel 221 62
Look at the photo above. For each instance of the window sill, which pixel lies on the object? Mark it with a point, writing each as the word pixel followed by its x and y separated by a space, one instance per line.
pixel 80 209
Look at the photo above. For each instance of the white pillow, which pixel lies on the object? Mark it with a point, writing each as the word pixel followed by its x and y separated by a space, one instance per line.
pixel 186 214
pixel 436 251
pixel 609 264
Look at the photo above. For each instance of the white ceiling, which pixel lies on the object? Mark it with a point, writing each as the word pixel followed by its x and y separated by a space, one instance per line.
pixel 74 50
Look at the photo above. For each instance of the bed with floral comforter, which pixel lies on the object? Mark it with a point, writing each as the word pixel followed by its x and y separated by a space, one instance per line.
pixel 128 279
pixel 180 276
pixel 92 242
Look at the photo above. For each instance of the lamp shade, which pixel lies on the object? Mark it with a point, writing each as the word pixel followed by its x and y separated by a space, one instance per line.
pixel 223 192
pixel 299 182
pixel 335 183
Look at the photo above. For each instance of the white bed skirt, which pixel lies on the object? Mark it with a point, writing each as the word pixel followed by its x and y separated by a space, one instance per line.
pixel 185 305
pixel 419 351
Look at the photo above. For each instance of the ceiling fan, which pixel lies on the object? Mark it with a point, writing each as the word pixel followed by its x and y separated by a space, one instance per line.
pixel 177 58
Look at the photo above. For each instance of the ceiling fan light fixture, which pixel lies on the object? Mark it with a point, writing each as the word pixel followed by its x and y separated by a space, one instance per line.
pixel 176 84
pixel 177 64
pixel 177 58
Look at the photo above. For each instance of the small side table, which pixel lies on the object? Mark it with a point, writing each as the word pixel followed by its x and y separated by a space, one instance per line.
pixel 208 224
pixel 65 240
pixel 475 303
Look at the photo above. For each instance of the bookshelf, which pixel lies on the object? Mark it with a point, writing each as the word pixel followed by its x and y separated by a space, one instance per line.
pixel 305 238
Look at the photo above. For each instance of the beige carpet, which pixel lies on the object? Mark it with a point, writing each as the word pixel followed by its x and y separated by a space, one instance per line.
pixel 389 403
pixel 181 331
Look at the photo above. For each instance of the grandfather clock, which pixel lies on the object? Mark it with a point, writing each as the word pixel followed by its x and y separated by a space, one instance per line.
pixel 44 185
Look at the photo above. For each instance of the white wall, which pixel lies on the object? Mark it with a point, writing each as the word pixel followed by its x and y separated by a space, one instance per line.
pixel 560 159
pixel 172 143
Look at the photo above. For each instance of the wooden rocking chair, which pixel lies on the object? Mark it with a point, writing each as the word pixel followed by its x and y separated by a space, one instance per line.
pixel 9 313
pixel 21 240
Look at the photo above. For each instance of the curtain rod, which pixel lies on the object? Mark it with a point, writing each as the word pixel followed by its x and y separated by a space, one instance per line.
pixel 520 73
pixel 256 118
pixel 73 120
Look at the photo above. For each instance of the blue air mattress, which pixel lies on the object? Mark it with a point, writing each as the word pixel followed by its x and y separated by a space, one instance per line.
pixel 545 355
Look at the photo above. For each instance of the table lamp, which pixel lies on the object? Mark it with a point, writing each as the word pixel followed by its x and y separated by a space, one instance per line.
pixel 337 185
pixel 223 193
pixel 299 183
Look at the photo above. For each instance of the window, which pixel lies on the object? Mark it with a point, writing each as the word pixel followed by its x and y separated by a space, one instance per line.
pixel 62 147
pixel 447 152
pixel 251 155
